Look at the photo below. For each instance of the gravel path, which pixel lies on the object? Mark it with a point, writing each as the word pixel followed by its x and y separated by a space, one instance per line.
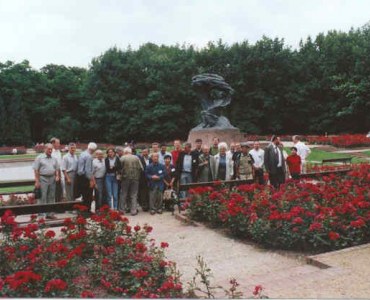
pixel 281 275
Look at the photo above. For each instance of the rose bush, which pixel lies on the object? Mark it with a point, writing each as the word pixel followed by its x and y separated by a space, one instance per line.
pixel 332 213
pixel 101 256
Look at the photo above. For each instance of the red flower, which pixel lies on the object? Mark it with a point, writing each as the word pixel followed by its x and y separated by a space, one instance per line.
pixel 137 228
pixel 50 234
pixel 257 290
pixel 358 223
pixel 87 294
pixel 315 226
pixel 120 240
pixel 55 284
pixel 139 273
pixel 164 245
pixel 148 229
pixel 333 235
pixel 297 221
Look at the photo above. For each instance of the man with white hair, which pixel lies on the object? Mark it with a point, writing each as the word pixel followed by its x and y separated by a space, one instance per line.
pixel 131 171
pixel 302 150
pixel 85 174
pixel 47 172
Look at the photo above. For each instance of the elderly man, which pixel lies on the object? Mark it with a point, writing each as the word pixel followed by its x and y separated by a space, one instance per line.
pixel 143 195
pixel 69 168
pixel 187 167
pixel 258 156
pixel 57 154
pixel 47 172
pixel 205 174
pixel 302 150
pixel 99 170
pixel 275 162
pixel 155 174
pixel 85 174
pixel 131 171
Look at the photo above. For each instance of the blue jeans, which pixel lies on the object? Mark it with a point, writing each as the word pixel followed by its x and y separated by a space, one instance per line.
pixel 112 190
pixel 185 178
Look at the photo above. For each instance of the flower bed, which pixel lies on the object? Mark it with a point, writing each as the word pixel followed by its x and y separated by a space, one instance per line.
pixel 344 140
pixel 331 214
pixel 103 256
pixel 14 199
pixel 12 150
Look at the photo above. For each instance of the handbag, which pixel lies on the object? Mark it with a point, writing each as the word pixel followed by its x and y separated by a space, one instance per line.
pixel 167 194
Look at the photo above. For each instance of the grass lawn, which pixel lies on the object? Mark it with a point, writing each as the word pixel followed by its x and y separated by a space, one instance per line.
pixel 23 189
pixel 367 153
pixel 17 156
pixel 319 155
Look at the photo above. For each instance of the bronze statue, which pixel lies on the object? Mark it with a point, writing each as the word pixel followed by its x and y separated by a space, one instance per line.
pixel 213 93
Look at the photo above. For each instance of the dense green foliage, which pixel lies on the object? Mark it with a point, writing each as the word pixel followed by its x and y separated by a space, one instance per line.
pixel 145 94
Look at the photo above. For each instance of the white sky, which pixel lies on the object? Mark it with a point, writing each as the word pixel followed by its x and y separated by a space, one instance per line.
pixel 72 32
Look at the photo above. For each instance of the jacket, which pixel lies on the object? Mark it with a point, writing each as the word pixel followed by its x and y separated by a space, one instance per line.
pixel 194 165
pixel 215 161
pixel 271 160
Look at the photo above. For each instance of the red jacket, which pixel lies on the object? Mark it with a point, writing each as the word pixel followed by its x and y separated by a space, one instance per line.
pixel 294 164
pixel 175 155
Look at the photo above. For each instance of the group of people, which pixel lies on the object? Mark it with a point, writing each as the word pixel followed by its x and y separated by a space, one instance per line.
pixel 125 179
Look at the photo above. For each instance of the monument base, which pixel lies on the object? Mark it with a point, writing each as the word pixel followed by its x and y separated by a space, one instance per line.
pixel 227 135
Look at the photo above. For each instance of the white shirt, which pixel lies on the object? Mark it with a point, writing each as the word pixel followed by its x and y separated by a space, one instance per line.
pixel 258 157
pixel 98 168
pixel 58 155
pixel 302 150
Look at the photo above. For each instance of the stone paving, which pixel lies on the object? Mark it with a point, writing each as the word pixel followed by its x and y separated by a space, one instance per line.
pixel 282 274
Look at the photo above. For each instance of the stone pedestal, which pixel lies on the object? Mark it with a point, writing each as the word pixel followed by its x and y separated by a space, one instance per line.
pixel 227 135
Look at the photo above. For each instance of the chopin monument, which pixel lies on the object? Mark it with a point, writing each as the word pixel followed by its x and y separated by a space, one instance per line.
pixel 214 94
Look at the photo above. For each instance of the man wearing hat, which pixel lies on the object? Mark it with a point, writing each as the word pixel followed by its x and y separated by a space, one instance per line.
pixel 244 169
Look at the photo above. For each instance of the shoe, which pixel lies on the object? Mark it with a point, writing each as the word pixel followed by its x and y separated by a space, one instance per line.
pixel 159 211
pixel 135 213
pixel 152 212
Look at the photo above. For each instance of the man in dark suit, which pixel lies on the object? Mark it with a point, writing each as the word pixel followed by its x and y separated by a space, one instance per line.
pixel 187 167
pixel 275 162
pixel 143 195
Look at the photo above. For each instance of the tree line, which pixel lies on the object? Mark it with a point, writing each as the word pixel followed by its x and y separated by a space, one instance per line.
pixel 145 94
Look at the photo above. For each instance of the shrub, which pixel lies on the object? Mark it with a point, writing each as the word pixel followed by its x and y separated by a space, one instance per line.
pixel 331 214
pixel 101 256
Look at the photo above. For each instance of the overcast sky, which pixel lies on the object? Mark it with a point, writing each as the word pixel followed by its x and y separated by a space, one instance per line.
pixel 72 32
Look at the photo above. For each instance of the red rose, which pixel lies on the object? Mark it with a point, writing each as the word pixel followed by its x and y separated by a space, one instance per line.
pixel 333 235
pixel 164 245
pixel 137 228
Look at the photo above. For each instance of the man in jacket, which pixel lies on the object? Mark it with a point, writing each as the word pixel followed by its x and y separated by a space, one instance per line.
pixel 154 174
pixel 187 167
pixel 275 162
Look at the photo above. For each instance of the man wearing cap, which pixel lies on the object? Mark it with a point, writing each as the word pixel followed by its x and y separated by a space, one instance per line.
pixel 258 155
pixel 244 164
pixel 85 174
pixel 69 168
pixel 47 172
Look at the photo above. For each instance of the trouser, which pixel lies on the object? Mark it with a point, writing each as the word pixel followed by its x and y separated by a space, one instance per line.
pixel 143 194
pixel 155 199
pixel 47 185
pixel 278 178
pixel 58 191
pixel 111 185
pixel 258 176
pixel 99 192
pixel 85 190
pixel 70 186
pixel 303 166
pixel 129 190
pixel 184 179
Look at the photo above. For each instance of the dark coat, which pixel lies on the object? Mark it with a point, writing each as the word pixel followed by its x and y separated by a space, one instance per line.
pixel 271 160
pixel 194 165
pixel 117 166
